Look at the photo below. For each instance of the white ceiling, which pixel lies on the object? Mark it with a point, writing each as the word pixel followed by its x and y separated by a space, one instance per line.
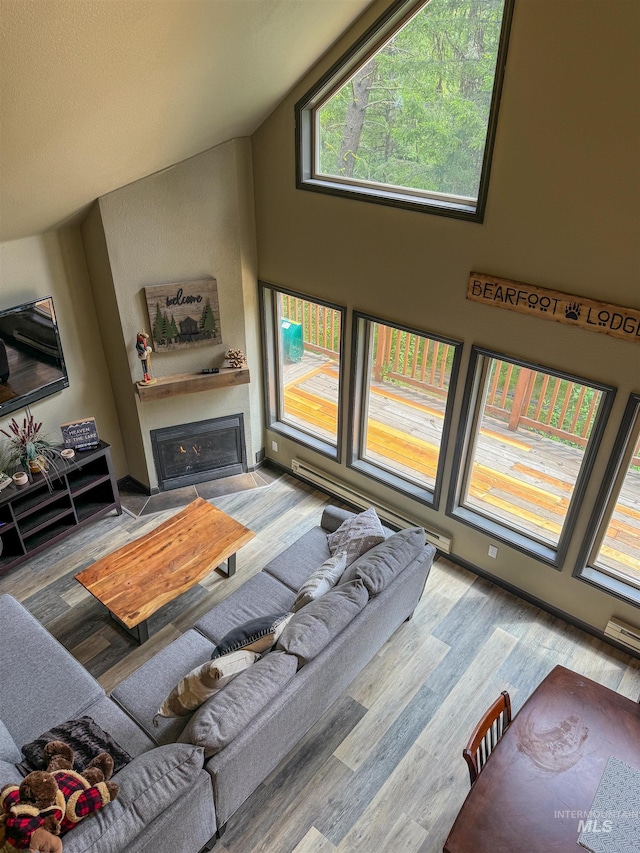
pixel 95 94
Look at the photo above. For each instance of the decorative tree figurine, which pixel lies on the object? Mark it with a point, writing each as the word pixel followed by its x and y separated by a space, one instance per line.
pixel 236 358
pixel 144 354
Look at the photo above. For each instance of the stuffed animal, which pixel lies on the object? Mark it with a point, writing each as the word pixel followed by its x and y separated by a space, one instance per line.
pixel 55 800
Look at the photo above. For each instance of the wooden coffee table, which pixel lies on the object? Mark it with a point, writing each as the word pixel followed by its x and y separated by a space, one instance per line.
pixel 138 579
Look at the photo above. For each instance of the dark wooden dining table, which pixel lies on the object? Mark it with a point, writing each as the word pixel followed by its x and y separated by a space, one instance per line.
pixel 540 781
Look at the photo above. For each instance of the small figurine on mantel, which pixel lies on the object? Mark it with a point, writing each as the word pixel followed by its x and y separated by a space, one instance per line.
pixel 236 358
pixel 144 354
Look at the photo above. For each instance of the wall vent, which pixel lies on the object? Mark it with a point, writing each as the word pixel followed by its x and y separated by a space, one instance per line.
pixel 349 495
pixel 623 633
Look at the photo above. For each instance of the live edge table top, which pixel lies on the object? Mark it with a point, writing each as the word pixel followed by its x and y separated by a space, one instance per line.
pixel 138 579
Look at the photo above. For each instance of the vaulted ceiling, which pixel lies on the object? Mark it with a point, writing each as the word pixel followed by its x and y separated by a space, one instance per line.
pixel 95 94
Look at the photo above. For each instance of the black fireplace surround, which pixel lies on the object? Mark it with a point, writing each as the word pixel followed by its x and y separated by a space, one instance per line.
pixel 204 450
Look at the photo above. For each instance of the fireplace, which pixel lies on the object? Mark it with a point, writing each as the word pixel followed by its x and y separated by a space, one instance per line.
pixel 199 451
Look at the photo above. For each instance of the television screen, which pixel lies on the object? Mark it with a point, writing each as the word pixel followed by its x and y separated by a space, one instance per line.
pixel 31 360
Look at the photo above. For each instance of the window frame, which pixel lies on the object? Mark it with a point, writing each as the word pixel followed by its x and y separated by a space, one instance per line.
pixel 614 475
pixel 360 375
pixel 272 378
pixel 465 442
pixel 366 46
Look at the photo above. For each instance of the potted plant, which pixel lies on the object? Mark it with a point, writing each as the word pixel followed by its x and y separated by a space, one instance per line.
pixel 29 447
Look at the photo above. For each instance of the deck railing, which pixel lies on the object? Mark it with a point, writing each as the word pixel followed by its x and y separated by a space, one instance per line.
pixel 517 395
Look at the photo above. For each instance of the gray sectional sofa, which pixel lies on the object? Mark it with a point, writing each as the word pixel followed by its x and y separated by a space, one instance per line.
pixel 165 798
pixel 243 732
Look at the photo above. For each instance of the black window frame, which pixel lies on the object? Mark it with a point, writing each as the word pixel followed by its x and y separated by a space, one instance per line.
pixel 471 404
pixel 367 45
pixel 273 391
pixel 609 488
pixel 360 361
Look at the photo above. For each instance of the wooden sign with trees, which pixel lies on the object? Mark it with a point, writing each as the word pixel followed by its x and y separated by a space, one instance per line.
pixel 184 314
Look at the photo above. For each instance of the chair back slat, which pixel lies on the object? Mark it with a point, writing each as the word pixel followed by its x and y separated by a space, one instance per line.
pixel 487 735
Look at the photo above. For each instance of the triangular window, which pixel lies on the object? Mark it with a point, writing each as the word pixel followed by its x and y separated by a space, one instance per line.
pixel 408 116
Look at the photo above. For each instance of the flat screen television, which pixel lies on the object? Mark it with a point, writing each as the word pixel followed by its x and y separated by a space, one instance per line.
pixel 31 360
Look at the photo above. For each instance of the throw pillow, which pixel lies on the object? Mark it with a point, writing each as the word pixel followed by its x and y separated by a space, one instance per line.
pixel 381 564
pixel 322 580
pixel 85 737
pixel 202 682
pixel 313 627
pixel 356 535
pixel 257 635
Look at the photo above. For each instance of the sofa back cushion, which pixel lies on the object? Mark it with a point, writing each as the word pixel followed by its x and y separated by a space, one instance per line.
pixel 216 723
pixel 378 567
pixel 149 786
pixel 314 626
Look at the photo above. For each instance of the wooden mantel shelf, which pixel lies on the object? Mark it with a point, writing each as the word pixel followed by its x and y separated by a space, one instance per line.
pixel 188 383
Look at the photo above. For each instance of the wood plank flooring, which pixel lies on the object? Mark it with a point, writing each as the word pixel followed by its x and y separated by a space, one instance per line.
pixel 382 770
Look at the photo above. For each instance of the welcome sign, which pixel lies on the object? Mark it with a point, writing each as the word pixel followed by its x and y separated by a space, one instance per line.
pixel 184 314
pixel 623 323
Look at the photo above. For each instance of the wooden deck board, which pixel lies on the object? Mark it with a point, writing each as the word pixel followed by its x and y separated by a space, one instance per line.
pixel 528 477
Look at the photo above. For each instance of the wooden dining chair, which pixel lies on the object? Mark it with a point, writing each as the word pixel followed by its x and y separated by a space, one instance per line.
pixel 487 734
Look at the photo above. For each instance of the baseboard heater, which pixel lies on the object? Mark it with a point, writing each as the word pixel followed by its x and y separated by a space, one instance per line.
pixel 358 499
pixel 623 633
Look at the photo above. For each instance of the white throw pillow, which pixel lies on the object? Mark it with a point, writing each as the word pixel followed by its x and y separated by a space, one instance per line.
pixel 203 681
pixel 357 535
pixel 322 580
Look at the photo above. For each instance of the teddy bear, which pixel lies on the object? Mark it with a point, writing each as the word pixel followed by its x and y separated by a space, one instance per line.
pixel 56 799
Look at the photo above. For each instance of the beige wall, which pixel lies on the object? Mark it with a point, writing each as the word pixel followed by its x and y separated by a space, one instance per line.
pixel 561 213
pixel 53 264
pixel 192 221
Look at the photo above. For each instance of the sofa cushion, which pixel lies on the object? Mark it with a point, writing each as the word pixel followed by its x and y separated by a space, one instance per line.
pixel 356 535
pixel 8 749
pixel 315 625
pixel 321 581
pixel 226 714
pixel 149 785
pixel 145 689
pixel 9 774
pixel 125 731
pixel 294 565
pixel 202 682
pixel 35 664
pixel 259 596
pixel 381 564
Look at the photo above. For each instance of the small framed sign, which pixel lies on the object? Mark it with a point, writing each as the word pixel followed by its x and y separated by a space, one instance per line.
pixel 80 435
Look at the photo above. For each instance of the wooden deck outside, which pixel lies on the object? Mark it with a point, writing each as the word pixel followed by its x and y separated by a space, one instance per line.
pixel 526 477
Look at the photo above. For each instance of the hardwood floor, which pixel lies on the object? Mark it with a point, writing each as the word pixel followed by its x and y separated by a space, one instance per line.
pixel 382 770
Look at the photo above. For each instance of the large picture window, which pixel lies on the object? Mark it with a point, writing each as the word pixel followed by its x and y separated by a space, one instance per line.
pixel 525 452
pixel 408 116
pixel 402 405
pixel 610 557
pixel 303 342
